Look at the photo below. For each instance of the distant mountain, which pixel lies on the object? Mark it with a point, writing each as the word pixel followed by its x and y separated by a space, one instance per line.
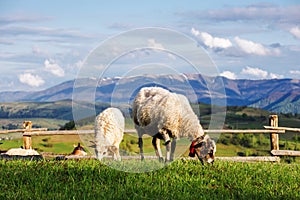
pixel 276 95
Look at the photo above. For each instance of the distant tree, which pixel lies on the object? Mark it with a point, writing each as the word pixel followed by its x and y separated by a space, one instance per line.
pixel 69 126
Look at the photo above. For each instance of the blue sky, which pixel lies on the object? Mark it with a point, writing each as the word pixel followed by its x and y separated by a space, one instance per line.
pixel 43 43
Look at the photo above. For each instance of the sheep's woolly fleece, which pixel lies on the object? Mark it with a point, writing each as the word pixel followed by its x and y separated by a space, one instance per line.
pixel 109 130
pixel 155 108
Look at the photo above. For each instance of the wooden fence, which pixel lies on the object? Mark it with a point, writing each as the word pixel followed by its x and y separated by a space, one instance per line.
pixel 272 129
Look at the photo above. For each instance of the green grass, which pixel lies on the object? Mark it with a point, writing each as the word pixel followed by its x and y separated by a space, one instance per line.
pixel 91 179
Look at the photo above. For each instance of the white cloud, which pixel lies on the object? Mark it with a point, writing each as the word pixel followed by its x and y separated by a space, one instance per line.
pixel 153 44
pixel 228 74
pixel 256 72
pixel 210 41
pixel 250 47
pixel 275 76
pixel 295 72
pixel 30 79
pixel 54 68
pixel 295 31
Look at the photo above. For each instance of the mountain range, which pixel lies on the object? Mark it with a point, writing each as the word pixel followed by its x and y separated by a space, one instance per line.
pixel 275 95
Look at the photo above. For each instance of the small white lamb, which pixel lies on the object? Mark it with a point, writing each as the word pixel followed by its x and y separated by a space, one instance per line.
pixel 164 115
pixel 109 130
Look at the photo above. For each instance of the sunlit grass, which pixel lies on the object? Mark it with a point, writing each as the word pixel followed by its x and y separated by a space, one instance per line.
pixel 91 179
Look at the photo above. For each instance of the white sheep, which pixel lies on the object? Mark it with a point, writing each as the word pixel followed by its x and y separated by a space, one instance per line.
pixel 109 131
pixel 164 115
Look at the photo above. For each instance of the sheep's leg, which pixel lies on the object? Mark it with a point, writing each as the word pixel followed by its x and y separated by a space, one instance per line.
pixel 173 147
pixel 168 148
pixel 156 145
pixel 165 136
pixel 140 132
pixel 141 148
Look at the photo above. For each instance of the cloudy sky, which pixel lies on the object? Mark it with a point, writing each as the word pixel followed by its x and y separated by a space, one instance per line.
pixel 43 43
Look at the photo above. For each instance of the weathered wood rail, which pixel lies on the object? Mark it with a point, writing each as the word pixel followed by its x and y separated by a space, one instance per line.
pixel 23 130
pixel 272 129
pixel 283 128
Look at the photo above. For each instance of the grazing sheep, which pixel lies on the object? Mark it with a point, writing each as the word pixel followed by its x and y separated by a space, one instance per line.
pixel 164 115
pixel 109 130
pixel 79 150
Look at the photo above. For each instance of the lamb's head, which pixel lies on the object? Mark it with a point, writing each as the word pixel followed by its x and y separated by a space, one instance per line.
pixel 205 148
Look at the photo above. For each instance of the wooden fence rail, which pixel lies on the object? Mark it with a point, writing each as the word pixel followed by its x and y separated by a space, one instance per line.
pixel 254 131
pixel 283 128
pixel 23 130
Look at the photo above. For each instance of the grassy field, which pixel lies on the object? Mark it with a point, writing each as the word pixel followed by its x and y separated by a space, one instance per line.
pixel 91 179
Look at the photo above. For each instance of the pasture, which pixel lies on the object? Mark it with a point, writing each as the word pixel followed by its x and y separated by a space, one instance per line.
pixel 182 179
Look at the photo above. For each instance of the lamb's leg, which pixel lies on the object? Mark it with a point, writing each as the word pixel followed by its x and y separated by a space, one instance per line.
pixel 156 145
pixel 173 147
pixel 141 148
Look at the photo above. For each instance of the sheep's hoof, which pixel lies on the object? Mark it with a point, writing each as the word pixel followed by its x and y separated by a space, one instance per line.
pixel 161 159
pixel 168 161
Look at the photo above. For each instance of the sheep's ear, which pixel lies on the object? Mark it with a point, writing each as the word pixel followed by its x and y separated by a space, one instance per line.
pixel 200 144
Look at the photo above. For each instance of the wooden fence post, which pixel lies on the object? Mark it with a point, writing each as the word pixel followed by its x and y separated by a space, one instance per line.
pixel 27 143
pixel 274 138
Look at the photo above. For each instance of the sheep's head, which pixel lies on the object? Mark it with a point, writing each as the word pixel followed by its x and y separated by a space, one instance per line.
pixel 204 148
